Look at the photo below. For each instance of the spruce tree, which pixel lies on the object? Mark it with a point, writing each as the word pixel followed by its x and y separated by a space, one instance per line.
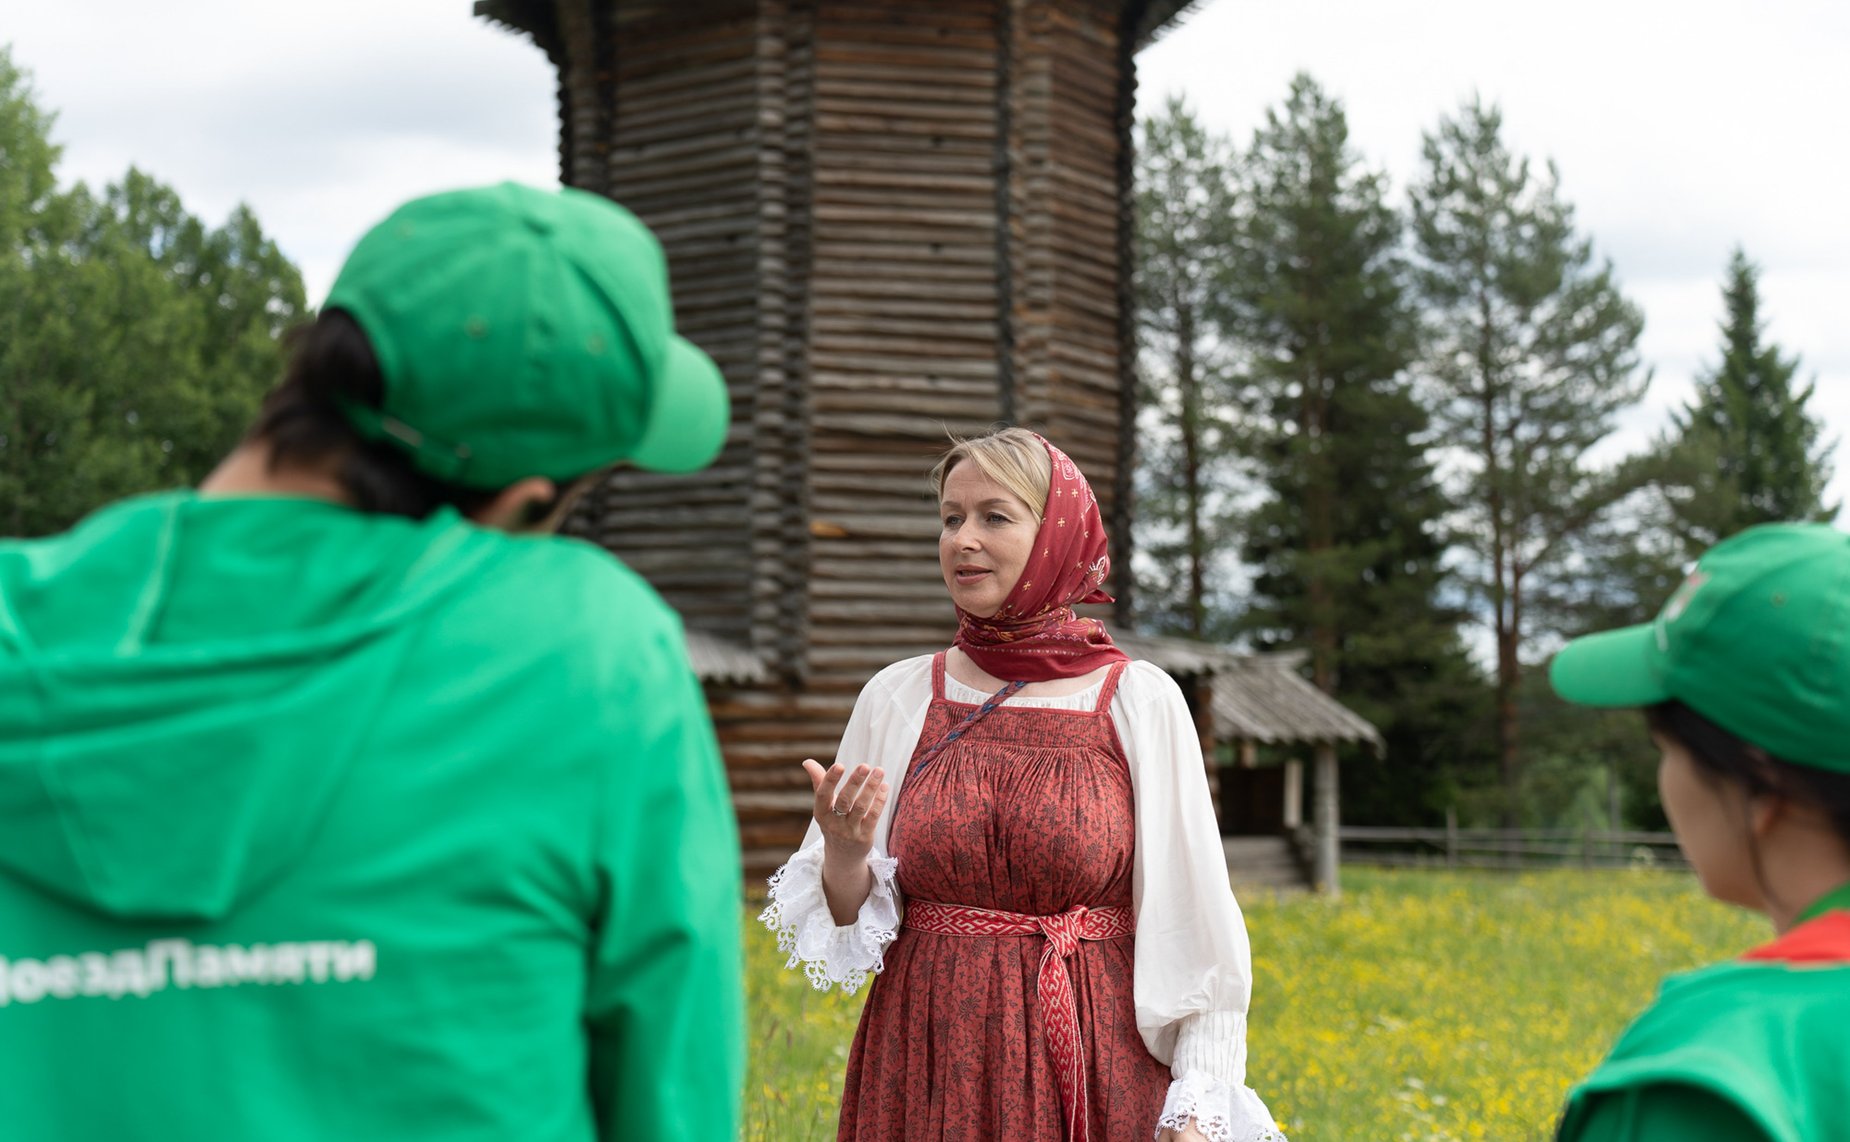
pixel 1185 517
pixel 1749 449
pixel 1347 541
pixel 1531 352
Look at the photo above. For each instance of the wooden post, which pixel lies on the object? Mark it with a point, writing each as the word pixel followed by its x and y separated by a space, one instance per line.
pixel 1294 794
pixel 1327 821
pixel 1451 837
pixel 1201 707
pixel 1615 851
pixel 1201 698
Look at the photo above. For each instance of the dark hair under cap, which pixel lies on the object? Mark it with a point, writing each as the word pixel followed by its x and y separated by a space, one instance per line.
pixel 331 361
pixel 1723 756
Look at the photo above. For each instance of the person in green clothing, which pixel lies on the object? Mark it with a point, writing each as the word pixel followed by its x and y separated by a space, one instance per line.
pixel 339 801
pixel 1744 678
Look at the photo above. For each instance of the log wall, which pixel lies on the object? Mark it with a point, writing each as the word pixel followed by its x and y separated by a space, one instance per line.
pixel 666 119
pixel 1068 250
pixel 885 221
pixel 905 313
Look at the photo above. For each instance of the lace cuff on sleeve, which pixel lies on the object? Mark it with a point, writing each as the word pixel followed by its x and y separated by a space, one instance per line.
pixel 1210 1086
pixel 1222 1111
pixel 830 953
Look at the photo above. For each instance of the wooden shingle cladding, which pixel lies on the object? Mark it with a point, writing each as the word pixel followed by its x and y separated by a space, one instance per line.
pixel 662 110
pixel 886 221
pixel 1068 97
pixel 904 314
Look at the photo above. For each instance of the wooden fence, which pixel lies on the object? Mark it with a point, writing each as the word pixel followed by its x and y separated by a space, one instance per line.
pixel 1508 849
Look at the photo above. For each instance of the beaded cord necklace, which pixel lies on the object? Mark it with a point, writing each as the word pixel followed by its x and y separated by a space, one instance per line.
pixel 963 727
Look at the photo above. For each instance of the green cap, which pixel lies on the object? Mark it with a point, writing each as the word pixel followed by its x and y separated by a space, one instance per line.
pixel 525 332
pixel 1754 640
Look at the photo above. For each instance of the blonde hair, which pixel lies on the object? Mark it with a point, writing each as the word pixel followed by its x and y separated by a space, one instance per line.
pixel 1012 457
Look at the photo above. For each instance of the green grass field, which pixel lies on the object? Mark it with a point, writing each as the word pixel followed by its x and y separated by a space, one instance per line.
pixel 1423 1006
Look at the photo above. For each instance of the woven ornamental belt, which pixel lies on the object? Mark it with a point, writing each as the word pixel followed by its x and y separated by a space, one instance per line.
pixel 1053 984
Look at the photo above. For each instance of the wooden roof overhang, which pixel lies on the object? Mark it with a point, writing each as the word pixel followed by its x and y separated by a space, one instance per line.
pixel 1255 697
pixel 1148 20
pixel 718 661
pixel 1151 20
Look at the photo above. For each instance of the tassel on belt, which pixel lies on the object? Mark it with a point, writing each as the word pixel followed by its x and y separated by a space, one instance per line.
pixel 1053 984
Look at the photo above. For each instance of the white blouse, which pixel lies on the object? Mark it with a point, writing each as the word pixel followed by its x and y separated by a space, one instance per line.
pixel 1193 967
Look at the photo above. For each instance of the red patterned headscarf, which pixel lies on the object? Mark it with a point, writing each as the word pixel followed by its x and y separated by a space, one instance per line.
pixel 1035 636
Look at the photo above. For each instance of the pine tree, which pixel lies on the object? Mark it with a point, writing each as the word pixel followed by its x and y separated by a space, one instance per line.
pixel 1748 449
pixel 1347 541
pixel 1531 352
pixel 1185 233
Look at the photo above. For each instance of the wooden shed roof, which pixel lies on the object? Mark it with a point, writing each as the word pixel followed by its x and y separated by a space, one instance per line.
pixel 716 659
pixel 1256 697
pixel 1181 657
pixel 1264 699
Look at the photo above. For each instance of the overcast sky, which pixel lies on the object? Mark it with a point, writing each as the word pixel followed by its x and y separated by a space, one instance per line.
pixel 1680 128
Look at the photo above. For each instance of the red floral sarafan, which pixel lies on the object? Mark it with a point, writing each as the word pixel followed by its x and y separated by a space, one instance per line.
pixel 1032 812
pixel 1035 636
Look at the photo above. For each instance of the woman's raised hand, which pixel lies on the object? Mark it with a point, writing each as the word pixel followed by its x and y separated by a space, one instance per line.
pixel 848 804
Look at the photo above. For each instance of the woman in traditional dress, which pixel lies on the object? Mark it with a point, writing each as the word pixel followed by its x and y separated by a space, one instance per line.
pixel 1744 679
pixel 1016 834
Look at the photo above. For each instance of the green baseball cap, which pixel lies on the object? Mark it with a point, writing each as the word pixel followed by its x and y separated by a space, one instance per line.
pixel 526 332
pixel 1754 640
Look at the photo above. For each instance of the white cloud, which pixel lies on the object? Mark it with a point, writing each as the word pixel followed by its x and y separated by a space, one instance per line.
pixel 321 116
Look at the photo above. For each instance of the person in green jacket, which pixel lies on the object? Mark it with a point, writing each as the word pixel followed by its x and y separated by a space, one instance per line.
pixel 337 801
pixel 1744 679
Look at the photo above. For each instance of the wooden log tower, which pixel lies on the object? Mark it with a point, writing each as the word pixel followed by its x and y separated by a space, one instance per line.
pixel 885 221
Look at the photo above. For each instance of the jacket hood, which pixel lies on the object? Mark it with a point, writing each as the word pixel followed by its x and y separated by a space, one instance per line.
pixel 185 683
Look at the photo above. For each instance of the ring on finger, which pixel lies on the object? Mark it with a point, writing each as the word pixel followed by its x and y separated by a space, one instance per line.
pixel 839 812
